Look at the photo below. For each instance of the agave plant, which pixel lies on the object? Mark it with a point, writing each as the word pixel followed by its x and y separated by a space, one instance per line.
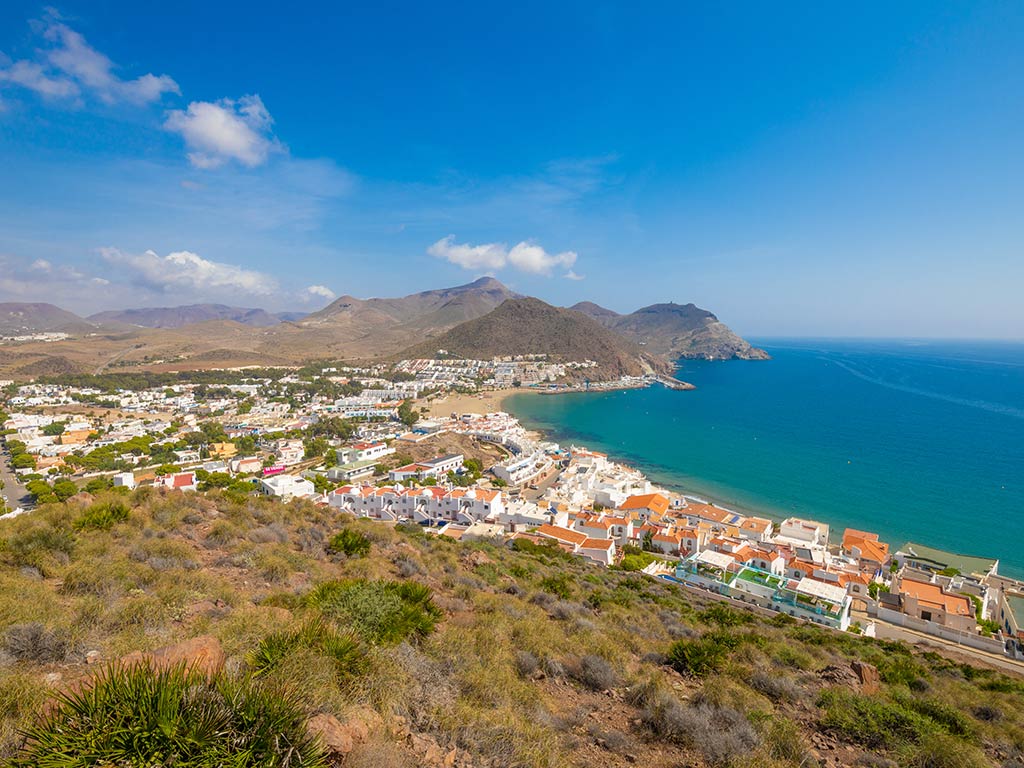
pixel 137 716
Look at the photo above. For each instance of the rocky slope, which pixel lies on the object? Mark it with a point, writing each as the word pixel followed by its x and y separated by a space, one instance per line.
pixel 677 330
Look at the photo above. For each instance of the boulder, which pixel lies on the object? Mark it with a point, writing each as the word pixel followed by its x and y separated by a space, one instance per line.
pixel 868 676
pixel 341 738
pixel 839 675
pixel 336 738
pixel 203 654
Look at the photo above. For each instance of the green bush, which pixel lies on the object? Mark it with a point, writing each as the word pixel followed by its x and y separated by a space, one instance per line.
pixel 103 515
pixel 559 584
pixel 724 616
pixel 40 543
pixel 696 657
pixel 872 722
pixel 352 543
pixel 344 651
pixel 134 716
pixel 380 612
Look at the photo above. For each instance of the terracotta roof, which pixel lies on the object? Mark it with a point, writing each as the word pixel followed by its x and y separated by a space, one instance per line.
pixel 598 544
pixel 652 501
pixel 561 534
pixel 933 595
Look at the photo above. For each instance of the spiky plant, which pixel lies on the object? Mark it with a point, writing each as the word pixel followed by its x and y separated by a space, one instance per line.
pixel 381 612
pixel 344 650
pixel 352 543
pixel 137 716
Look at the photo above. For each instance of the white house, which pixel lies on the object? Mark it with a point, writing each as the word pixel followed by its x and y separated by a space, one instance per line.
pixel 366 451
pixel 124 480
pixel 287 486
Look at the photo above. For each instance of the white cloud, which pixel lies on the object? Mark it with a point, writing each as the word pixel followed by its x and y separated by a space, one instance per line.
pixel 530 257
pixel 30 75
pixel 70 66
pixel 487 256
pixel 42 265
pixel 216 132
pixel 570 275
pixel 187 271
pixel 320 291
pixel 525 256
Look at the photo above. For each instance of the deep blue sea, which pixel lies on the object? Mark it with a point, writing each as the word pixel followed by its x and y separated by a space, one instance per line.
pixel 916 440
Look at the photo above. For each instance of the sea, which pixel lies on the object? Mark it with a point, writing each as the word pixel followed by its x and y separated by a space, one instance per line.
pixel 916 440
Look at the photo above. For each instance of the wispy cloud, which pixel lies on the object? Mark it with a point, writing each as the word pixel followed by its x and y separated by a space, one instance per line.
pixel 524 256
pixel 217 132
pixel 187 271
pixel 67 67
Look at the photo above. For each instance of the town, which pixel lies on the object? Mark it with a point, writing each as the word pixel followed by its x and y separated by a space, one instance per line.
pixel 361 441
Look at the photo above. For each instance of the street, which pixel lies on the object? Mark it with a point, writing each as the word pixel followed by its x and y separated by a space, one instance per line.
pixel 15 492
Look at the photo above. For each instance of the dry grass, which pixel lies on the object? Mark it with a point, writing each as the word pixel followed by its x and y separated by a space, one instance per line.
pixel 537 660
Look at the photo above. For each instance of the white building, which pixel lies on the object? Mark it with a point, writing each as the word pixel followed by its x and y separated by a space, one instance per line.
pixel 287 487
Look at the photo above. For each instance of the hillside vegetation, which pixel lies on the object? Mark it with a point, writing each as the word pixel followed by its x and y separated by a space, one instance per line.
pixel 353 643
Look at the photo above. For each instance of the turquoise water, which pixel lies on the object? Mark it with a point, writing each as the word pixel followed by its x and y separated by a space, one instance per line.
pixel 918 441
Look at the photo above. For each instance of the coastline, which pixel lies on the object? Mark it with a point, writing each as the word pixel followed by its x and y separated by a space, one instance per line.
pixel 693 492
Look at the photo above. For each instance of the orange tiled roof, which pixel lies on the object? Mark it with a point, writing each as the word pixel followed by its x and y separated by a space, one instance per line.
pixel 652 501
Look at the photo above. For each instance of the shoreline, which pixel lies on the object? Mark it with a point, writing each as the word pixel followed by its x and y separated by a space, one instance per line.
pixel 696 494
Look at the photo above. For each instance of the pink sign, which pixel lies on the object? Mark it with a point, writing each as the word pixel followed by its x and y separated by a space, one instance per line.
pixel 268 471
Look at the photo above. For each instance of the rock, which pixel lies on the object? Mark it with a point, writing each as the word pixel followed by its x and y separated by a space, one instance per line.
pixel 839 675
pixel 868 676
pixel 449 759
pixel 53 678
pixel 203 654
pixel 340 738
pixel 92 657
pixel 336 738
pixel 476 559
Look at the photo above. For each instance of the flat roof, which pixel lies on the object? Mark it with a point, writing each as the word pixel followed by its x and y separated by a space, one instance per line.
pixel 963 563
pixel 815 588
pixel 716 559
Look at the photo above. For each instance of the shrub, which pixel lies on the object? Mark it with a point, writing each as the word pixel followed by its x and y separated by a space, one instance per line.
pixel 527 664
pixel 34 642
pixel 559 584
pixel 102 515
pixel 872 722
pixel 724 616
pixel 939 750
pixel 596 673
pixel 40 543
pixel 343 650
pixel 381 612
pixel 774 686
pixel 351 543
pixel 697 657
pixel 720 733
pixel 138 716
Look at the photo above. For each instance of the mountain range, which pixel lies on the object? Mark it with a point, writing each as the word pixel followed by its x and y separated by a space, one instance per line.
pixel 483 318
pixel 177 317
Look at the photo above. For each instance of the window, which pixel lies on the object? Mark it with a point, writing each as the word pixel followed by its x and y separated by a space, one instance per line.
pixel 926 615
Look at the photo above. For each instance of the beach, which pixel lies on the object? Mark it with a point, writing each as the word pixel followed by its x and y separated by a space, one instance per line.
pixel 483 402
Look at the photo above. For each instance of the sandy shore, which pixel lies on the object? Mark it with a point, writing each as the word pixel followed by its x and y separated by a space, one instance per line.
pixel 484 402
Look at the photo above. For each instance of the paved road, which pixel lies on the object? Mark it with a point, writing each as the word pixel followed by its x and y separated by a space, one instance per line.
pixel 15 492
pixel 892 632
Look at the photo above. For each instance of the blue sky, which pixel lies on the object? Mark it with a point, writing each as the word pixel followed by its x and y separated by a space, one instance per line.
pixel 805 169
